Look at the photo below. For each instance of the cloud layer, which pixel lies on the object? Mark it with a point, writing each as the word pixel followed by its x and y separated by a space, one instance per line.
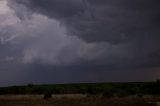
pixel 90 36
pixel 102 20
pixel 127 33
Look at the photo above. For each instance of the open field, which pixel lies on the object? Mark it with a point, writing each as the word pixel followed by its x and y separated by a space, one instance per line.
pixel 97 94
pixel 76 100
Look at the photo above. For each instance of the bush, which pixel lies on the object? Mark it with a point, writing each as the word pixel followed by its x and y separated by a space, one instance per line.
pixel 107 94
pixel 140 95
pixel 91 91
pixel 47 96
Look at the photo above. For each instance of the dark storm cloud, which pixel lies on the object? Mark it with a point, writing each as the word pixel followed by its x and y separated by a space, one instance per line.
pixel 102 20
pixel 38 38
pixel 130 30
pixel 131 27
pixel 57 41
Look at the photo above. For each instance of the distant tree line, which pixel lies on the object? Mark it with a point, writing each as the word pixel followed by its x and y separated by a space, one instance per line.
pixel 109 89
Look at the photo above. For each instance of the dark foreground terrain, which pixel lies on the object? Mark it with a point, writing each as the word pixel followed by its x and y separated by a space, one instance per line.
pixel 98 94
pixel 77 100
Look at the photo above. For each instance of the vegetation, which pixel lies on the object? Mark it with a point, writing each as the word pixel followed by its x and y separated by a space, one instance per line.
pixel 47 95
pixel 34 100
pixel 119 89
pixel 95 94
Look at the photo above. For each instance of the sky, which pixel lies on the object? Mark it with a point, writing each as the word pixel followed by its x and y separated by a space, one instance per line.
pixel 79 41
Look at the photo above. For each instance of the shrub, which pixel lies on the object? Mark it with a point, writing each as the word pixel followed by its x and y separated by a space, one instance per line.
pixel 140 95
pixel 91 91
pixel 107 94
pixel 47 95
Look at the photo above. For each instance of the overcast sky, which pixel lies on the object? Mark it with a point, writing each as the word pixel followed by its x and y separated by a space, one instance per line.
pixel 59 41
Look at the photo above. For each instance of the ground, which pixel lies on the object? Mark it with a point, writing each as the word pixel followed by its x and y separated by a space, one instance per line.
pixel 77 100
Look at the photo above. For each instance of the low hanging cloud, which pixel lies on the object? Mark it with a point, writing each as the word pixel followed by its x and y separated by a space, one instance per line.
pixel 101 20
pixel 39 39
pixel 79 41
pixel 118 33
pixel 52 45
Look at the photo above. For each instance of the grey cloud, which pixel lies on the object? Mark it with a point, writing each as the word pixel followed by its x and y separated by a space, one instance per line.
pixel 52 46
pixel 79 41
pixel 42 39
pixel 128 29
pixel 102 20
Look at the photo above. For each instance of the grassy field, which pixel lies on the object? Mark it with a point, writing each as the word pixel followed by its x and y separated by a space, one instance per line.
pixel 77 100
pixel 95 94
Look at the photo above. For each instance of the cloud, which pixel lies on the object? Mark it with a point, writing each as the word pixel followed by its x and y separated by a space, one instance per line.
pixel 101 20
pixel 118 33
pixel 122 33
pixel 44 40
pixel 79 40
pixel 52 45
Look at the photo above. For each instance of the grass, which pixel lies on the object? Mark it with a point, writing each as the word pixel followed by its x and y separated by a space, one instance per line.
pixel 96 94
pixel 76 100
